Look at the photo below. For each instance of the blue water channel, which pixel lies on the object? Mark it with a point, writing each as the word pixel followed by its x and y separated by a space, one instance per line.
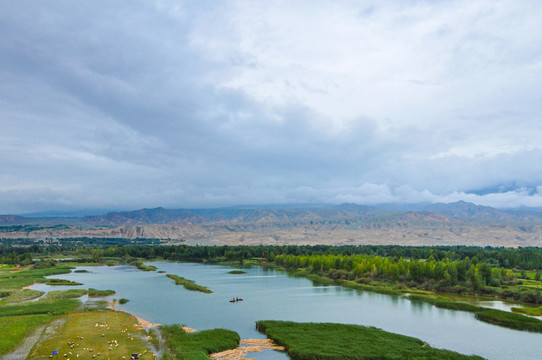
pixel 273 295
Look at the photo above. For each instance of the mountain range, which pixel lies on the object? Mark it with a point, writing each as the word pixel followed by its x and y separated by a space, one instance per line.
pixel 419 224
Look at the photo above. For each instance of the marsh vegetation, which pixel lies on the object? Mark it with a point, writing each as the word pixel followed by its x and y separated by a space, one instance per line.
pixel 189 284
pixel 327 341
pixel 196 346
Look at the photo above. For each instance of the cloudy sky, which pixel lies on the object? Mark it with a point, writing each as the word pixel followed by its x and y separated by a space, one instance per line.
pixel 130 104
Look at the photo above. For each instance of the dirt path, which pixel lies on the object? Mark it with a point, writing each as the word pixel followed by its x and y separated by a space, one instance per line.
pixel 247 346
pixel 23 350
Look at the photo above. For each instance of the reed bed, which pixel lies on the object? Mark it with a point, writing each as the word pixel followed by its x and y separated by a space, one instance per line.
pixel 327 341
pixel 196 346
pixel 189 284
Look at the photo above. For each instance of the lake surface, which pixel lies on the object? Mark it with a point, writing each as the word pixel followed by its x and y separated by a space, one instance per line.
pixel 272 295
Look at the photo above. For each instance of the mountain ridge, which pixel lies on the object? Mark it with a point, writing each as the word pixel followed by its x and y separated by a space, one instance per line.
pixel 458 223
pixel 249 214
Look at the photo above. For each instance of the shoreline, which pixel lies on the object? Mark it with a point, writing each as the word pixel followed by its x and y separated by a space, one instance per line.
pixel 245 347
pixel 142 323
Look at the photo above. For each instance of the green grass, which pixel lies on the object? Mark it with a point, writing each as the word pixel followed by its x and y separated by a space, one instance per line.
pixel 123 301
pixel 20 296
pixel 16 328
pixel 510 320
pixel 80 271
pixel 61 282
pixel 143 267
pixel 100 293
pixel 326 341
pixel 237 272
pixel 98 329
pixel 374 288
pixel 196 346
pixel 13 279
pixel 446 303
pixel 53 307
pixel 65 294
pixel 323 280
pixel 188 284
pixel 533 311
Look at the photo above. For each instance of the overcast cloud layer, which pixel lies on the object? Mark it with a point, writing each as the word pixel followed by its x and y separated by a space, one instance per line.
pixel 131 104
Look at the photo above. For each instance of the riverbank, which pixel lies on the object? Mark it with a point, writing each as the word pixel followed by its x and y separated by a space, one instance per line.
pixel 247 346
pixel 142 323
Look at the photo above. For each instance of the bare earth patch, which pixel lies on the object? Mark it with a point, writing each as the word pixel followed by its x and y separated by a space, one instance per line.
pixel 247 346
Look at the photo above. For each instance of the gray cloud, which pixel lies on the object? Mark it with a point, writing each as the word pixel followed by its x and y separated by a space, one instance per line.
pixel 132 104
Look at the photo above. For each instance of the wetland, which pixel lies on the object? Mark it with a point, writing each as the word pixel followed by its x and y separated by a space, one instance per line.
pixel 272 294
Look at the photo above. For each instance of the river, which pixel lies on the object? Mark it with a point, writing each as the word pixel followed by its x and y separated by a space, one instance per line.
pixel 272 295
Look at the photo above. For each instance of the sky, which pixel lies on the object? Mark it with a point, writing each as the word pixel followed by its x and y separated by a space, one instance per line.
pixel 131 104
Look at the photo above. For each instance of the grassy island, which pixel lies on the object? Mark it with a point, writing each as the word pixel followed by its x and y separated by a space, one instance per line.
pixel 65 294
pixel 327 341
pixel 510 320
pixel 237 272
pixel 492 316
pixel 61 282
pixel 100 293
pixel 189 284
pixel 143 267
pixel 444 303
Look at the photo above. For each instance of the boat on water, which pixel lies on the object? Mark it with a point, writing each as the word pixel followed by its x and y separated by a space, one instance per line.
pixel 235 300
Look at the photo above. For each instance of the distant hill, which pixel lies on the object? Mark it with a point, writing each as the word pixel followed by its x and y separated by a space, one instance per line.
pixel 233 215
pixel 14 220
pixel 273 214
pixel 458 223
pixel 463 209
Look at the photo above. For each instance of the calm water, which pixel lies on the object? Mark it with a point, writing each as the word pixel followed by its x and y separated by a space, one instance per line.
pixel 271 294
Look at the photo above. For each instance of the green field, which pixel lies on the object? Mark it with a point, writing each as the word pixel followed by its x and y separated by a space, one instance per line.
pixel 533 311
pixel 20 296
pixel 105 334
pixel 52 307
pixel 14 279
pixel 16 328
pixel 326 341
pixel 196 346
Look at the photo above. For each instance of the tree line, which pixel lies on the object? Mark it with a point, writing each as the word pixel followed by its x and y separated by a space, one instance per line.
pixel 11 252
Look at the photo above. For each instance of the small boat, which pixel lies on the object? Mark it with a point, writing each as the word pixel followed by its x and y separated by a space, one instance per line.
pixel 235 300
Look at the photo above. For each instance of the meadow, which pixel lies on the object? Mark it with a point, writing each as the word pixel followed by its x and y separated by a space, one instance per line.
pixel 104 334
pixel 17 328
